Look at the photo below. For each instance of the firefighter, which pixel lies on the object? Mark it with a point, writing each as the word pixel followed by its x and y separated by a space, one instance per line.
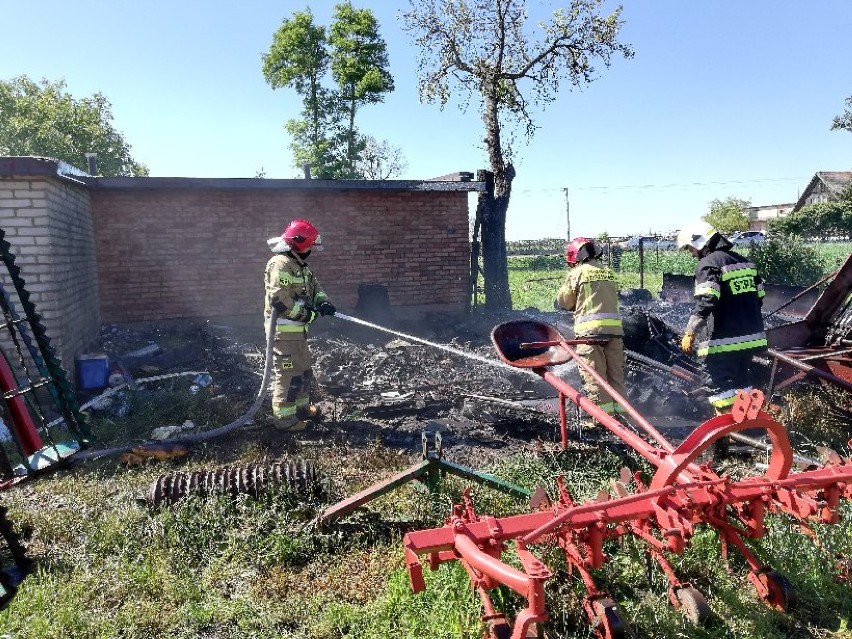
pixel 728 290
pixel 590 291
pixel 293 291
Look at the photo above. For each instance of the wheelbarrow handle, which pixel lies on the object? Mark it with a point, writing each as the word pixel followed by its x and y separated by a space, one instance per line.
pixel 566 342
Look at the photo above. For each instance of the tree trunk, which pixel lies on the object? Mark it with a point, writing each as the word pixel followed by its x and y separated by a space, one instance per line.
pixel 495 203
pixel 491 209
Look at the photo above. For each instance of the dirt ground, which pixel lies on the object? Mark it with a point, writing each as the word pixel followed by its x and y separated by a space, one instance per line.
pixel 378 387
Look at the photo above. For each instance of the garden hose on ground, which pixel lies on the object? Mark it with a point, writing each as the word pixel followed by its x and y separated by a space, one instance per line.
pixel 216 432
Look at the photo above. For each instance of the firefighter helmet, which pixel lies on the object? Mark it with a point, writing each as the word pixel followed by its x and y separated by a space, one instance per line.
pixel 301 236
pixel 697 237
pixel 581 249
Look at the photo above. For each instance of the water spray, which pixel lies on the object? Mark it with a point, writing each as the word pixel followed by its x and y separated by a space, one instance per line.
pixel 443 347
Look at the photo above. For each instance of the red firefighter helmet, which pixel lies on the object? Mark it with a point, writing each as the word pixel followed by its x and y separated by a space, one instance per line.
pixel 581 249
pixel 301 236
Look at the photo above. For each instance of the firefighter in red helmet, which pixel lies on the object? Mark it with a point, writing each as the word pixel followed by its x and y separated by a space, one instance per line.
pixel 590 290
pixel 294 292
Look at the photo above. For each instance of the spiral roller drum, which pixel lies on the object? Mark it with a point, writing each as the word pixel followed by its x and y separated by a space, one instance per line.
pixel 297 476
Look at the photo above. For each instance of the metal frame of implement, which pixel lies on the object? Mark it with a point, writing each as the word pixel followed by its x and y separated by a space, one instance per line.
pixel 663 514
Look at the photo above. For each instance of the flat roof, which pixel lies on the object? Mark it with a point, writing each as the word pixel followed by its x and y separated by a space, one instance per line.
pixel 25 165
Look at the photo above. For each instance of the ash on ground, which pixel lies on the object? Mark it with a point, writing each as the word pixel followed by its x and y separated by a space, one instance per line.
pixel 375 386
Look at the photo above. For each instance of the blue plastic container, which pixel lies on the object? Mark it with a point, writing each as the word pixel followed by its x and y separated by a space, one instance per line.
pixel 92 371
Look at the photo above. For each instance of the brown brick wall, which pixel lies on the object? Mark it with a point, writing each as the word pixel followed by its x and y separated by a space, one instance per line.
pixel 185 253
pixel 48 222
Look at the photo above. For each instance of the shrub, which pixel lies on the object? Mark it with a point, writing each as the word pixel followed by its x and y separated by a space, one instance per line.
pixel 787 260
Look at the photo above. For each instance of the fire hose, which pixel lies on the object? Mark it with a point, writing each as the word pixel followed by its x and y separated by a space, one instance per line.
pixel 216 432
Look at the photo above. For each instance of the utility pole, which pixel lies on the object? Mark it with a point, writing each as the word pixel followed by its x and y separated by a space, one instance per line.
pixel 567 215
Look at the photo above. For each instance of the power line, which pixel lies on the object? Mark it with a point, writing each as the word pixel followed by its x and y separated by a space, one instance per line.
pixel 671 185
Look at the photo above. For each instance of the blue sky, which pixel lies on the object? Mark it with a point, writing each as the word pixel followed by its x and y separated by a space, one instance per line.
pixel 725 98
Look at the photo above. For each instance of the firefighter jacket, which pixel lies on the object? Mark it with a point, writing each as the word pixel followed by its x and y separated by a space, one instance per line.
pixel 590 290
pixel 291 288
pixel 728 287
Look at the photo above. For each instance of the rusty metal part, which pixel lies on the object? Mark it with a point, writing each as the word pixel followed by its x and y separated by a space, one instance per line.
pixel 821 338
pixel 795 297
pixel 298 476
pixel 674 371
pixel 663 514
pixel 811 370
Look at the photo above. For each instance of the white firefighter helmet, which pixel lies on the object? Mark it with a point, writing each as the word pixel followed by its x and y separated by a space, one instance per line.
pixel 697 236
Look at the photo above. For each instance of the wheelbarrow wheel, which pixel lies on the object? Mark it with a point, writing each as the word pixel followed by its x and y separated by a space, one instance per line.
pixel 693 605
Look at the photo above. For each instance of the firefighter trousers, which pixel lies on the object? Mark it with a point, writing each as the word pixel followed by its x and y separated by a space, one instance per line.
pixel 608 362
pixel 726 374
pixel 293 378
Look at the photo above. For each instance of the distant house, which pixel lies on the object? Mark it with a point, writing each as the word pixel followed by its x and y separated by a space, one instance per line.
pixel 823 187
pixel 759 216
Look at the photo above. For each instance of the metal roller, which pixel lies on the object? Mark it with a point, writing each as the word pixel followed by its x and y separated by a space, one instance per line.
pixel 296 476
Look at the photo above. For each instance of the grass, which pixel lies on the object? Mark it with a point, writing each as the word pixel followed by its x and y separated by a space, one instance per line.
pixel 534 280
pixel 215 567
pixel 538 288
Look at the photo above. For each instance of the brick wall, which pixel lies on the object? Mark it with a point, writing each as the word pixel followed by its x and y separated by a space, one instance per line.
pixel 147 249
pixel 200 252
pixel 48 222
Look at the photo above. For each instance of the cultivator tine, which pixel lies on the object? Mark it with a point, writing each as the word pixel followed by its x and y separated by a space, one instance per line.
pixel 691 603
pixel 606 618
pixel 661 514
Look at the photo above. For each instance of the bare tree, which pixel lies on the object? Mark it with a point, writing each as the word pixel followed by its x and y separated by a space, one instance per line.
pixel 513 65
pixel 380 160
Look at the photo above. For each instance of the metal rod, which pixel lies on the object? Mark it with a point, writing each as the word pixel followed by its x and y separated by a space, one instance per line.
pixel 798 295
pixel 644 423
pixel 799 459
pixel 826 355
pixel 811 370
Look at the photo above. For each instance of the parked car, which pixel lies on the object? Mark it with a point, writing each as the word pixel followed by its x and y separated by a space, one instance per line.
pixel 649 243
pixel 747 238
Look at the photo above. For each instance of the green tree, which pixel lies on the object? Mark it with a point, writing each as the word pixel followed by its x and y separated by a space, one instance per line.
pixel 43 119
pixel 490 49
pixel 359 62
pixel 817 221
pixel 298 58
pixel 301 57
pixel 844 120
pixel 729 215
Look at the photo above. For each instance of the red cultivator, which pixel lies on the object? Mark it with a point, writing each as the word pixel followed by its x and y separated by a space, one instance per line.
pixel 663 513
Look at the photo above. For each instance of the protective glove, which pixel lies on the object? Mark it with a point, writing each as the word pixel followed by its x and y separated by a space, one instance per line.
pixel 326 308
pixel 307 314
pixel 693 327
pixel 278 305
pixel 687 342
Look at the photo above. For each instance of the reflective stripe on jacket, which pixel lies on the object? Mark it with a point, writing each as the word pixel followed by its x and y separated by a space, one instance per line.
pixel 728 288
pixel 590 290
pixel 290 281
